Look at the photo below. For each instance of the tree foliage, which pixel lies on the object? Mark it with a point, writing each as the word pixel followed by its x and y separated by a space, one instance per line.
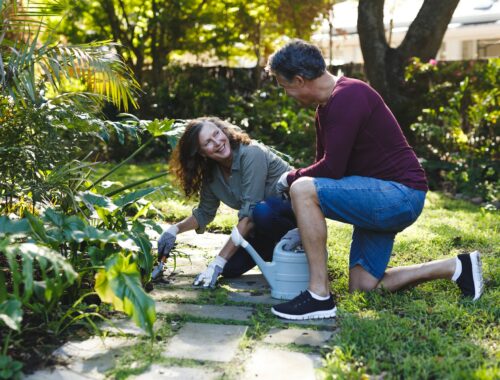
pixel 154 31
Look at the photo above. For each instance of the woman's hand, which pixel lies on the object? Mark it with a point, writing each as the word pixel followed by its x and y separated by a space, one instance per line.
pixel 167 241
pixel 208 277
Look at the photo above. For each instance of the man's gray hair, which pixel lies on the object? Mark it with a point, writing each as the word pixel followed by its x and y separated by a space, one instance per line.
pixel 297 58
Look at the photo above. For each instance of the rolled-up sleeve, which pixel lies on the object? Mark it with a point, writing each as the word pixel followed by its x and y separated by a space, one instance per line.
pixel 205 212
pixel 254 168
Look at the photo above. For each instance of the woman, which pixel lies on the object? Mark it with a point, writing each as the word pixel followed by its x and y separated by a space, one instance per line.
pixel 222 164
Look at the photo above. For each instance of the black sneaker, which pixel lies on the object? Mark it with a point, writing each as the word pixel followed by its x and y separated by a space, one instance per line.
pixel 304 306
pixel 470 280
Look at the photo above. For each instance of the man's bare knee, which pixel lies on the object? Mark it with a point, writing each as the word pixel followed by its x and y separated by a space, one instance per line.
pixel 361 280
pixel 303 188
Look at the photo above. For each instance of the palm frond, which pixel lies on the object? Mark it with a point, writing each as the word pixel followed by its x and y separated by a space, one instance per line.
pixel 26 62
pixel 98 66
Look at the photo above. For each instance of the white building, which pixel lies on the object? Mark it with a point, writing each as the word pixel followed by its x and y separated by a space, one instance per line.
pixel 474 31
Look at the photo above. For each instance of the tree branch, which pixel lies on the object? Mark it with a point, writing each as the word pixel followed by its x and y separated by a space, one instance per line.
pixel 426 32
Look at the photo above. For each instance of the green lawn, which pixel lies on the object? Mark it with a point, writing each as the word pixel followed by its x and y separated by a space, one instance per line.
pixel 428 332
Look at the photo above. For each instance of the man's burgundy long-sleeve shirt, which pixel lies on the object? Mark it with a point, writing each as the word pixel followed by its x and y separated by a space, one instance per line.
pixel 357 134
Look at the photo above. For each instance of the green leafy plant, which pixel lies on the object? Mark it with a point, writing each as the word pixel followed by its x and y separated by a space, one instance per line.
pixel 10 369
pixel 120 284
pixel 457 132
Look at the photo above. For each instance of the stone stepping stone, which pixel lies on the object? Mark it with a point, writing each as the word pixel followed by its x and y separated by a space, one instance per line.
pixel 175 280
pixel 158 372
pixel 94 356
pixel 326 324
pixel 126 326
pixel 206 240
pixel 266 363
pixel 252 281
pixel 159 294
pixel 237 313
pixel 256 298
pixel 187 267
pixel 57 373
pixel 91 347
pixel 206 341
pixel 298 336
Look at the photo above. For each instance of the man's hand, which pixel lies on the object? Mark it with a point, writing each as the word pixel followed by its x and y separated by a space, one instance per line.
pixel 167 240
pixel 282 184
pixel 208 277
pixel 293 240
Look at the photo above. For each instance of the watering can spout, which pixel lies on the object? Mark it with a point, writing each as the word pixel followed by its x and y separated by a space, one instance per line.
pixel 265 267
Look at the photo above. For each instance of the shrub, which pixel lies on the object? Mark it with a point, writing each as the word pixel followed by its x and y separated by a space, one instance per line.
pixel 457 131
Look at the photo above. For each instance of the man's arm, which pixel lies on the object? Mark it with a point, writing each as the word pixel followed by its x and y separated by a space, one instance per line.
pixel 338 131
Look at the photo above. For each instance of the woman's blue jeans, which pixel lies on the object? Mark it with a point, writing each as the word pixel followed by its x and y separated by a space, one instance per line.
pixel 272 218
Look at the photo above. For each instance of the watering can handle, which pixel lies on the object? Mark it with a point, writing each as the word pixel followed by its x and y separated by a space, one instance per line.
pixel 280 245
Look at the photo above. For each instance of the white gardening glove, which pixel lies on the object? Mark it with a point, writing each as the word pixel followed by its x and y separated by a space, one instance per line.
pixel 282 184
pixel 293 240
pixel 167 240
pixel 208 277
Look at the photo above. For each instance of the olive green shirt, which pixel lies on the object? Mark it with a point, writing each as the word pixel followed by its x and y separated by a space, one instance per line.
pixel 254 173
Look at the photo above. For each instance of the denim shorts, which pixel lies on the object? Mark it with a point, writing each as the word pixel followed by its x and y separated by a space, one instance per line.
pixel 377 209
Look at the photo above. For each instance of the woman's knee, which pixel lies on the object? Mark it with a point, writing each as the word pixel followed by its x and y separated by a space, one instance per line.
pixel 262 214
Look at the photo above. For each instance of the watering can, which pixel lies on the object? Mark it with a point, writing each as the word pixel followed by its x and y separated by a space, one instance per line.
pixel 287 274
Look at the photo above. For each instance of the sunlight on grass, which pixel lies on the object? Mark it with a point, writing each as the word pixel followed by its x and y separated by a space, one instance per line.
pixel 429 331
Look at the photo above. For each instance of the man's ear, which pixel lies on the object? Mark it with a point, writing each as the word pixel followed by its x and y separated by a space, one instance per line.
pixel 298 80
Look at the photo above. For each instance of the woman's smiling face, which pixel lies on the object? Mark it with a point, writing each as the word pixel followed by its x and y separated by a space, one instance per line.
pixel 213 142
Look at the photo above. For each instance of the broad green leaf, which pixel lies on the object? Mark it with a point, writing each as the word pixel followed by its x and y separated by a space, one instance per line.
pixel 57 219
pixel 91 199
pixel 142 211
pixel 56 273
pixel 98 256
pixel 11 313
pixel 73 224
pixel 38 229
pixel 159 127
pixel 120 284
pixel 134 196
pixel 176 132
pixel 13 227
pixel 145 257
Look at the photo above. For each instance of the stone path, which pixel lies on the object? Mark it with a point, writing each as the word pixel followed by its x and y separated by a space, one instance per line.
pixel 201 334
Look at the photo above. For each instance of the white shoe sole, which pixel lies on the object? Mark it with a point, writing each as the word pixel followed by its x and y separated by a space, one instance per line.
pixel 323 314
pixel 477 274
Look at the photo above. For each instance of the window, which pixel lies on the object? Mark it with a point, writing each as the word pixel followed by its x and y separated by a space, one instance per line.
pixel 488 48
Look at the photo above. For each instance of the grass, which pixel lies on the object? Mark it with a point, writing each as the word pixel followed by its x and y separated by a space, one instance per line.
pixel 428 332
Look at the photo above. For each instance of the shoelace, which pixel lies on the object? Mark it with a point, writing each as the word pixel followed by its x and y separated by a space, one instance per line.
pixel 304 298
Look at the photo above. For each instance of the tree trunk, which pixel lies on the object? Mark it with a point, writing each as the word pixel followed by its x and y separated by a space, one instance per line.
pixel 384 66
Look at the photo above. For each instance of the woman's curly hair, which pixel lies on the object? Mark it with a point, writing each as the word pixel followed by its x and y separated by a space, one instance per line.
pixel 188 165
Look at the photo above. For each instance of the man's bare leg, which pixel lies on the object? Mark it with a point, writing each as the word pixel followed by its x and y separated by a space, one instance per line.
pixel 313 232
pixel 402 277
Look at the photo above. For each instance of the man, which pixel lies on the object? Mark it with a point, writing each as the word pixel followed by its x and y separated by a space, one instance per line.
pixel 364 174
